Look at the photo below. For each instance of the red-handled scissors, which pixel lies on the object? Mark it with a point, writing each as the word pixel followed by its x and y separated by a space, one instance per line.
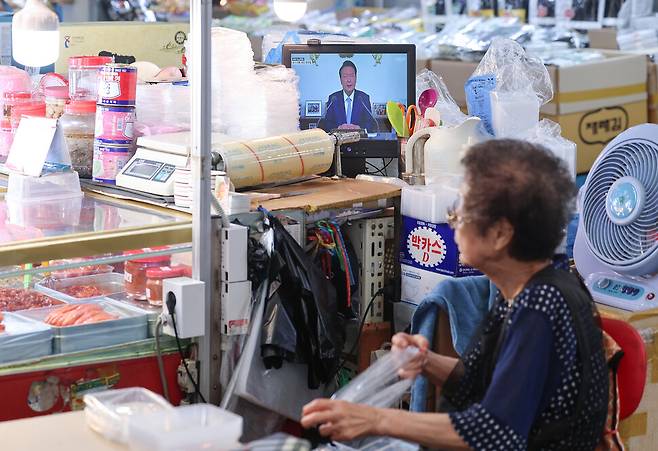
pixel 413 113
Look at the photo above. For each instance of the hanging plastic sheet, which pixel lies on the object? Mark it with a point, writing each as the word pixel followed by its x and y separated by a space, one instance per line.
pixel 301 321
pixel 282 391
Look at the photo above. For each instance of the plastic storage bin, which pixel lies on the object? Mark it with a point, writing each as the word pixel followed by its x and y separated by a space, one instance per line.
pixel 131 326
pixel 108 284
pixel 60 185
pixel 24 339
pixel 187 428
pixel 109 412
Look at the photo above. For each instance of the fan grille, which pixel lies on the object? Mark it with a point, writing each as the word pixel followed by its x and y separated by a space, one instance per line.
pixel 615 244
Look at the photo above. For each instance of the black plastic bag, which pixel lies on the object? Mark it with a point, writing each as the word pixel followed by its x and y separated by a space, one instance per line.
pixel 304 299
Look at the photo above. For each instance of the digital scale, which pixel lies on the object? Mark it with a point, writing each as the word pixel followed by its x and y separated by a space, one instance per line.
pixel 151 169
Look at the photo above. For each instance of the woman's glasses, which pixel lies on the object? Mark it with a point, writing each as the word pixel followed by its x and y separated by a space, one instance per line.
pixel 454 217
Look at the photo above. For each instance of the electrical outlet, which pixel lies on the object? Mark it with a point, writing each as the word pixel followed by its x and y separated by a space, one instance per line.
pixel 189 310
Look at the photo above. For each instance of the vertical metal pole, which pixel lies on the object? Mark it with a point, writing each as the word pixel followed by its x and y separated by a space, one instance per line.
pixel 200 19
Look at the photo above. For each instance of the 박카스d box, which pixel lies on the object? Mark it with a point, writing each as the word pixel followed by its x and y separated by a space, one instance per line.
pixel 428 254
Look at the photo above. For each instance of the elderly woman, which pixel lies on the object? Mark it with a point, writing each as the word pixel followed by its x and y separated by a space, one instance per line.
pixel 535 375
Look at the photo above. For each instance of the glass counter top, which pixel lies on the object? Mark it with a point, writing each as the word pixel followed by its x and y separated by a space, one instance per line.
pixel 88 225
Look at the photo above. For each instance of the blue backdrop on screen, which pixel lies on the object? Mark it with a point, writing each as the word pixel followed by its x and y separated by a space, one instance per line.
pixel 382 77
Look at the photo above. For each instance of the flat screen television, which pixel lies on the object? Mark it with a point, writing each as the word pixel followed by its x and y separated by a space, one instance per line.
pixel 346 87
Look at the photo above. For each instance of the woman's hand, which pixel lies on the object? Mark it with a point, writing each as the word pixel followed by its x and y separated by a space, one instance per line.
pixel 341 420
pixel 417 364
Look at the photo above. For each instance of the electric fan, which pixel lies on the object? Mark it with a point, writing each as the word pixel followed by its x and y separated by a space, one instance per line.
pixel 616 248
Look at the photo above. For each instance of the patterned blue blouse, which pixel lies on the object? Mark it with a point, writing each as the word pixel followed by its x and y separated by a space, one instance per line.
pixel 536 378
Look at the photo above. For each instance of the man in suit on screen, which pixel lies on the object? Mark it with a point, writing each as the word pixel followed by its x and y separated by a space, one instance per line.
pixel 348 108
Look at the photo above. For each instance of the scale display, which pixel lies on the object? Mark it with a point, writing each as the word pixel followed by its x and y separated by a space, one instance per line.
pixel 149 170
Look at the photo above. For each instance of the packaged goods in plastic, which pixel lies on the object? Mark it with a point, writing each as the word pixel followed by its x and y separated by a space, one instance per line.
pixel 24 338
pixel 77 289
pixel 130 325
pixel 109 412
pixel 195 427
pixel 278 159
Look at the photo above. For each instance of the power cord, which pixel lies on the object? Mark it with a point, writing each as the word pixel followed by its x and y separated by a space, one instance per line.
pixel 158 353
pixel 171 305
pixel 361 325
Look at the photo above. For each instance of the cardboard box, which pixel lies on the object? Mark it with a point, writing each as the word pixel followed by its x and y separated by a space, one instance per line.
pixel 603 38
pixel 639 432
pixel 591 130
pixel 422 64
pixel 161 43
pixel 652 91
pixel 593 102
pixel 428 255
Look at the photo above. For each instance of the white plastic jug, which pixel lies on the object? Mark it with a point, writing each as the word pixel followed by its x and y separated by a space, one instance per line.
pixel 444 148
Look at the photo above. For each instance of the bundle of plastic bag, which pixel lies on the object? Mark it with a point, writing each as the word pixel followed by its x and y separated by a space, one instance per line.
pixel 549 134
pixel 450 113
pixel 507 89
pixel 378 386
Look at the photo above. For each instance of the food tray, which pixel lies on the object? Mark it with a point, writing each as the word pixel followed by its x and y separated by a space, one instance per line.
pixel 24 339
pixel 109 283
pixel 152 312
pixel 131 326
pixel 108 412
pixel 9 301
pixel 202 427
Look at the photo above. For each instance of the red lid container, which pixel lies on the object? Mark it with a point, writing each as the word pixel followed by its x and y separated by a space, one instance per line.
pixel 89 61
pixel 17 95
pixel 57 92
pixel 159 259
pixel 166 272
pixel 81 107
pixel 29 109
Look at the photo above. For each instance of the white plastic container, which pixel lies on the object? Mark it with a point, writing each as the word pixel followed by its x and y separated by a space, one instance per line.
pixel 61 185
pixel 109 412
pixel 187 428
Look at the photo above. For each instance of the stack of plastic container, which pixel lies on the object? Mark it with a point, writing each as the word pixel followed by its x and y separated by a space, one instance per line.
pixel 238 102
pixel 281 99
pixel 114 142
pixel 249 104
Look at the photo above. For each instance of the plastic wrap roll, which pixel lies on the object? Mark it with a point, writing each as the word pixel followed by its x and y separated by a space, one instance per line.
pixel 278 159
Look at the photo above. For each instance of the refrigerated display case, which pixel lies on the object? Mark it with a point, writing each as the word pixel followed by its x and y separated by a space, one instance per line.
pixel 68 325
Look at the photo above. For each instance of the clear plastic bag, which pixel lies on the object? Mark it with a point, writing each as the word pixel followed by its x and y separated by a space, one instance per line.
pixel 549 134
pixel 515 71
pixel 507 89
pixel 450 113
pixel 379 385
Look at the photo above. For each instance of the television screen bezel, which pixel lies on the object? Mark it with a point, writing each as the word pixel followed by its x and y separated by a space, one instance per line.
pixel 364 148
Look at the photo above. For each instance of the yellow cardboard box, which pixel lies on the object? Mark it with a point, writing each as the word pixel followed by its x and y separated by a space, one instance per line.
pixel 592 102
pixel 639 432
pixel 161 43
pixel 591 130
